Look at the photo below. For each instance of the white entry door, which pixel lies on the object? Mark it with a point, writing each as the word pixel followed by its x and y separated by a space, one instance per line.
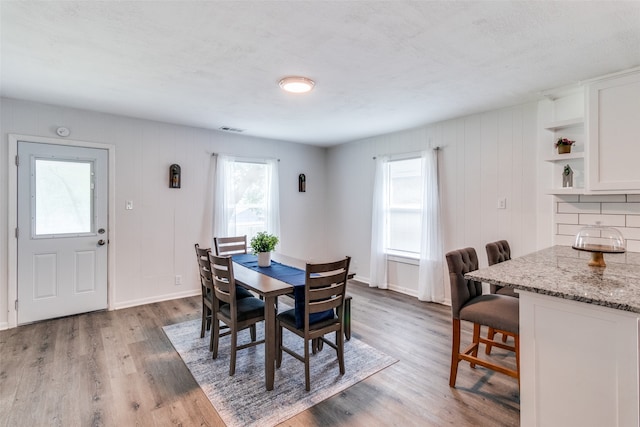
pixel 62 230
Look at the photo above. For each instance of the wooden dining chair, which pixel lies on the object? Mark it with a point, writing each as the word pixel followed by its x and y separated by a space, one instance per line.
pixel 324 307
pixel 206 283
pixel 230 245
pixel 237 314
pixel 499 312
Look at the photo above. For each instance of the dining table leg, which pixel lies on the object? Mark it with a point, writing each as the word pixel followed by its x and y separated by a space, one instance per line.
pixel 269 340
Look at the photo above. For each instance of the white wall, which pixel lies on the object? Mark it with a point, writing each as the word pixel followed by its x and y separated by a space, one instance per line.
pixel 483 157
pixel 154 241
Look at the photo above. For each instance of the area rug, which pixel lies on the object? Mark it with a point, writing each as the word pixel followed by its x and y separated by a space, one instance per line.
pixel 242 400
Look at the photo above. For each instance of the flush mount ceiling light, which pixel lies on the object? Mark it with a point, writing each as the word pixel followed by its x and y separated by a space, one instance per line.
pixel 297 84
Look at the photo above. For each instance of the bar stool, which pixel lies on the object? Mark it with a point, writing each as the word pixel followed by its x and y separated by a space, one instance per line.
pixel 499 312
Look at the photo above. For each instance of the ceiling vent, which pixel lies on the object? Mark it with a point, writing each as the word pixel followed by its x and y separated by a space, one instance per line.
pixel 229 129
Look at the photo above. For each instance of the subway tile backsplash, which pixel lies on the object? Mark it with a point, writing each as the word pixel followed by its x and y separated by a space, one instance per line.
pixel 620 211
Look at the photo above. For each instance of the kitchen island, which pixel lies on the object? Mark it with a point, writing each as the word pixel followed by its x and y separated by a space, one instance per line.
pixel 579 336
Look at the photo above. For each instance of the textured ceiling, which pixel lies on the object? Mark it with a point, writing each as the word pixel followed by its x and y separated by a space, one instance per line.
pixel 379 66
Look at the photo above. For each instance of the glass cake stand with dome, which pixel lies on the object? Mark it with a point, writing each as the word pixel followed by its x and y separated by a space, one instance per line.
pixel 599 240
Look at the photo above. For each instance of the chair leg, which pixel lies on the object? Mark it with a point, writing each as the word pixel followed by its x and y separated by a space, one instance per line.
pixel 504 337
pixel 476 342
pixel 307 374
pixel 215 337
pixel 252 330
pixel 234 344
pixel 278 345
pixel 340 350
pixel 204 321
pixel 455 353
pixel 490 335
pixel 347 319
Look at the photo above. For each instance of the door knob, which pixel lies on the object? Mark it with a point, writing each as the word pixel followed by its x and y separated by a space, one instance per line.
pixel 101 242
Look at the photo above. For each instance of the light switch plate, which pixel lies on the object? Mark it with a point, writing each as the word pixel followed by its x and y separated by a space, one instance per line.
pixel 129 205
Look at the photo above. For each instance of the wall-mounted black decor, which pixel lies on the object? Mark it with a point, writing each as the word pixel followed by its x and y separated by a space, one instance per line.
pixel 174 176
pixel 302 183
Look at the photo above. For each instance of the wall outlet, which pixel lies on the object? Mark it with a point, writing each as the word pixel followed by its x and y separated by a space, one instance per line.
pixel 502 203
pixel 178 280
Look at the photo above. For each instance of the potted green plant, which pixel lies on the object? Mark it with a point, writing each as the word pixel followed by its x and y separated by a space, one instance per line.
pixel 564 145
pixel 262 244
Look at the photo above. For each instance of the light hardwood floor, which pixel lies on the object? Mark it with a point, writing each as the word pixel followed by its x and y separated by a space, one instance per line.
pixel 118 369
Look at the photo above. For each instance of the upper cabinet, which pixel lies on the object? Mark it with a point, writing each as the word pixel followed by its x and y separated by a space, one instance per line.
pixel 613 133
pixel 603 117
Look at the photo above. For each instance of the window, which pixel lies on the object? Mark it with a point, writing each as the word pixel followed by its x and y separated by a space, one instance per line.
pixel 247 197
pixel 404 219
pixel 250 204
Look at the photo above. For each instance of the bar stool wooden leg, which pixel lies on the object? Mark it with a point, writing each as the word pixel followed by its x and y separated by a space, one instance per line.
pixel 455 353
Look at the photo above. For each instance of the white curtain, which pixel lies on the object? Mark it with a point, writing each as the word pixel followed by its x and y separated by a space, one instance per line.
pixel 430 277
pixel 273 199
pixel 379 217
pixel 208 213
pixel 224 197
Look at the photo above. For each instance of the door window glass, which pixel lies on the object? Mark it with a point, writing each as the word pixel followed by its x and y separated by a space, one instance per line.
pixel 63 197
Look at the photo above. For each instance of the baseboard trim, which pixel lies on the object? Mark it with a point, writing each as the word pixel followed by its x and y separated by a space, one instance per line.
pixel 392 287
pixel 403 290
pixel 157 298
pixel 399 289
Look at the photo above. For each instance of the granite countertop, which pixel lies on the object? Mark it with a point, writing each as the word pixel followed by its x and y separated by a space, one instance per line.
pixel 562 272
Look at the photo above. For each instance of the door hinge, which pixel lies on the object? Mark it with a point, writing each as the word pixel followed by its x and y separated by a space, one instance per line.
pixel 17 160
pixel 16 304
pixel 17 232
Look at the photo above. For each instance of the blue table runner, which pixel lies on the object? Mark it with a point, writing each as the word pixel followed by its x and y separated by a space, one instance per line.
pixel 291 275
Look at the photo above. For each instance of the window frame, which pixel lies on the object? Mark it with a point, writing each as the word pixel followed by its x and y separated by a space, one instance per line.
pixel 402 255
pixel 224 210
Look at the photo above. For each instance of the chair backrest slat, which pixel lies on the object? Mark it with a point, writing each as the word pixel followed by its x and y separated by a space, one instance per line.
pixel 323 281
pixel 324 305
pixel 230 245
pixel 322 293
pixel 223 279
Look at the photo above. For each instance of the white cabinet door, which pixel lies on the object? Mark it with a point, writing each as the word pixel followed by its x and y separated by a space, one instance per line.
pixel 578 364
pixel 613 123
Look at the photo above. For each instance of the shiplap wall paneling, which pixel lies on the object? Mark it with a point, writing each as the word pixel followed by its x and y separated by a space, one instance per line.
pixel 473 181
pixel 490 214
pixel 473 174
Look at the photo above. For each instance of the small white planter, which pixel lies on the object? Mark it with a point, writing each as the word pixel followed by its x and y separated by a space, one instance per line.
pixel 264 259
